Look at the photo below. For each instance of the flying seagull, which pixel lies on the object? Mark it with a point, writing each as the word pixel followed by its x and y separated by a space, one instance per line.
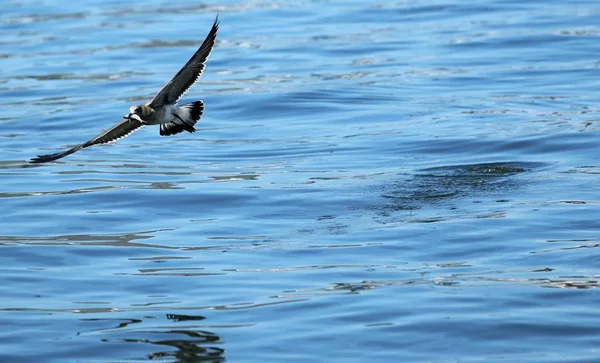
pixel 162 109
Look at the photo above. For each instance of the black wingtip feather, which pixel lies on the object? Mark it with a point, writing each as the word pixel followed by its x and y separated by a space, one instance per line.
pixel 51 157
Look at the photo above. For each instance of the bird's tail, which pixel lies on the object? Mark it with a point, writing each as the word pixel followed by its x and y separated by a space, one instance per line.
pixel 186 116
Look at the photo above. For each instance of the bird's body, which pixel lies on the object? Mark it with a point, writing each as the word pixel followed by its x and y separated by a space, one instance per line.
pixel 162 110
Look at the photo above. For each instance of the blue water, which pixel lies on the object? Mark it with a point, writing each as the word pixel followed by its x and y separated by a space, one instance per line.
pixel 370 182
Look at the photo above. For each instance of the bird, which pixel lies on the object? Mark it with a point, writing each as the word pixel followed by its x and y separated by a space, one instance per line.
pixel 162 110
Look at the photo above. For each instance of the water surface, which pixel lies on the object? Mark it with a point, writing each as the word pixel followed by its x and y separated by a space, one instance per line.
pixel 370 182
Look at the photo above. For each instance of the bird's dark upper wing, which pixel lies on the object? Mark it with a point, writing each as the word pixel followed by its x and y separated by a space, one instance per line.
pixel 120 130
pixel 189 74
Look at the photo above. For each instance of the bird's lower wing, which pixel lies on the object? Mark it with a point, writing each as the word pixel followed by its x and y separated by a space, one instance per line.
pixel 55 156
pixel 119 131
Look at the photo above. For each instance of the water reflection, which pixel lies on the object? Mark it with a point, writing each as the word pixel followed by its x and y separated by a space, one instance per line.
pixel 125 239
pixel 191 346
pixel 465 280
pixel 178 344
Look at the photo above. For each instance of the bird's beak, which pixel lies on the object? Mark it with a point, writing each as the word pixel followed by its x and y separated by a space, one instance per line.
pixel 135 117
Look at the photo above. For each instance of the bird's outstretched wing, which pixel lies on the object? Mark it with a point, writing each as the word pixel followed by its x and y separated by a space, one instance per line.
pixel 188 75
pixel 119 131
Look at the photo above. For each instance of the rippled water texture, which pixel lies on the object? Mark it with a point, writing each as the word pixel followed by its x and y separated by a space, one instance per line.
pixel 371 182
